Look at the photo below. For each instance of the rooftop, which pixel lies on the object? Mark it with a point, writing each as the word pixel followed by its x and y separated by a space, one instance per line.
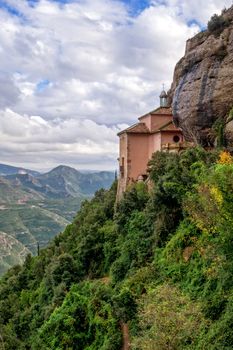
pixel 140 128
pixel 158 111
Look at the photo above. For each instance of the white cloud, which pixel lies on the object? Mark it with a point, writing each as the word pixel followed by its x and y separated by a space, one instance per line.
pixel 24 136
pixel 71 73
pixel 200 10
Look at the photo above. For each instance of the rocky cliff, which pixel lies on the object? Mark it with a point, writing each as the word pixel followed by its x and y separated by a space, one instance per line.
pixel 202 88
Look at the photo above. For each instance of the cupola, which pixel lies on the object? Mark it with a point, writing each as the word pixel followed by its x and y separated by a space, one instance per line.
pixel 163 99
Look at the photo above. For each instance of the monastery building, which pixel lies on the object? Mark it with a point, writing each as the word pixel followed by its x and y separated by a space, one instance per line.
pixel 155 131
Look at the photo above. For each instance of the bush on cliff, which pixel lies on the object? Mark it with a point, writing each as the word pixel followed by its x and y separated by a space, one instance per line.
pixel 217 23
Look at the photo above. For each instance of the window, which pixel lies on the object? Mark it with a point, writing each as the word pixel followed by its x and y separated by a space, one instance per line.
pixel 176 138
pixel 122 166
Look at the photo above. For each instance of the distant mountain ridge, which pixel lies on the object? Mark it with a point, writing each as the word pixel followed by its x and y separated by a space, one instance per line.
pixel 34 207
pixel 9 170
pixel 62 181
pixel 73 182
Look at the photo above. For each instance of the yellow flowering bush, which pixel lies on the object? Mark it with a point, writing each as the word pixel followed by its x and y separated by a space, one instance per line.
pixel 217 195
pixel 225 158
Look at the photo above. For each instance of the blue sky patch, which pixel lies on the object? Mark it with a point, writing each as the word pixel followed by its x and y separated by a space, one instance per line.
pixel 136 6
pixel 194 22
pixel 42 85
pixel 32 2
pixel 13 11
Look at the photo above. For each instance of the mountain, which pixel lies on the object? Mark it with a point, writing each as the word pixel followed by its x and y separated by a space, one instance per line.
pixel 202 88
pixel 63 182
pixel 33 209
pixel 66 181
pixel 9 170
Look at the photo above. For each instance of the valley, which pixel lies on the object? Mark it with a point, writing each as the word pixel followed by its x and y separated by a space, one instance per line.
pixel 35 207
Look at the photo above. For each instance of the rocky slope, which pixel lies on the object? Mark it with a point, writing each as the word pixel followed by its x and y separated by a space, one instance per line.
pixel 202 88
pixel 12 252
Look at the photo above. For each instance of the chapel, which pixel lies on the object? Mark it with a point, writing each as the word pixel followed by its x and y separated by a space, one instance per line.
pixel 155 131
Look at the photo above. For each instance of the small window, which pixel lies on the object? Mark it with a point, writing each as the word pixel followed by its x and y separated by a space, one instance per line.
pixel 122 166
pixel 176 138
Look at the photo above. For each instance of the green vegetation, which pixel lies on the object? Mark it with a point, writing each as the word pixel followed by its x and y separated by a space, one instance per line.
pixel 230 116
pixel 219 130
pixel 218 23
pixel 158 265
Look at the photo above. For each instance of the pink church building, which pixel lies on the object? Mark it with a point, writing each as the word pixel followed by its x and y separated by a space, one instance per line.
pixel 155 131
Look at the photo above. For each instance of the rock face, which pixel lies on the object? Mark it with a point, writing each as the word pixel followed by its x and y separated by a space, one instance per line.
pixel 202 88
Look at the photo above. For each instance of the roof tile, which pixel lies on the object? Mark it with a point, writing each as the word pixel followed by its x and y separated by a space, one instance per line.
pixel 136 128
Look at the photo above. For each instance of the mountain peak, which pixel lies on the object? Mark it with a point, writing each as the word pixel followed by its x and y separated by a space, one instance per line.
pixel 61 169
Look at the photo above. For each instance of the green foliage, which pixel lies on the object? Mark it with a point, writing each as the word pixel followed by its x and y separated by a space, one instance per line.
pixel 83 321
pixel 134 199
pixel 124 305
pixel 64 270
pixel 219 128
pixel 136 246
pixel 173 175
pixel 220 334
pixel 168 320
pixel 217 23
pixel 159 262
pixel 230 116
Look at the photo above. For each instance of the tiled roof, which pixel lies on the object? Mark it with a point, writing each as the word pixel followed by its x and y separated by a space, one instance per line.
pixel 140 128
pixel 169 126
pixel 162 110
pixel 159 111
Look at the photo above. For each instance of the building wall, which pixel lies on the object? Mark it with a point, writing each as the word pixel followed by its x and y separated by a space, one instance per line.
pixel 123 169
pixel 167 137
pixel 157 121
pixel 137 155
pixel 147 120
pixel 154 144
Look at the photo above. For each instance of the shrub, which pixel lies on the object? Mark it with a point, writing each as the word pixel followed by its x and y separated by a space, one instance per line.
pixel 168 320
pixel 217 23
pixel 225 158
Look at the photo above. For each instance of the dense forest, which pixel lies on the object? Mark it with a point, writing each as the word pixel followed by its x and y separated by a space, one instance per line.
pixel 156 267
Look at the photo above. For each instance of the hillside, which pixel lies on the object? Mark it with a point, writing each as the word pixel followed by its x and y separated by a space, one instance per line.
pixel 155 269
pixel 12 252
pixel 33 209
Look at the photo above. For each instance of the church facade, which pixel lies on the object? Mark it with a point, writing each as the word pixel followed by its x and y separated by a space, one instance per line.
pixel 154 131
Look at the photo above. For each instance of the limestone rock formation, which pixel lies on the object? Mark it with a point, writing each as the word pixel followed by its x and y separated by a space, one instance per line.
pixel 202 88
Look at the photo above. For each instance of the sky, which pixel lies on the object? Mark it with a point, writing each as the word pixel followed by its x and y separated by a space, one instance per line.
pixel 73 73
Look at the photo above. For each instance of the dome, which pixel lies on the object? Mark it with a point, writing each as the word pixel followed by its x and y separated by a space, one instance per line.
pixel 163 94
pixel 163 99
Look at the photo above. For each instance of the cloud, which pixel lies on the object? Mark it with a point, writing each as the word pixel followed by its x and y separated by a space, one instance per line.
pixel 99 60
pixel 9 92
pixel 200 10
pixel 74 139
pixel 73 71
